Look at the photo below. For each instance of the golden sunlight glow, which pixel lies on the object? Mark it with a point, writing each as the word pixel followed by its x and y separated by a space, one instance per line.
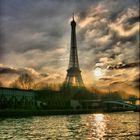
pixel 98 72
pixel 85 22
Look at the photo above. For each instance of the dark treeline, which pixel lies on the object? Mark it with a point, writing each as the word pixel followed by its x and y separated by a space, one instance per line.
pixel 56 99
pixel 55 96
pixel 82 94
pixel 61 99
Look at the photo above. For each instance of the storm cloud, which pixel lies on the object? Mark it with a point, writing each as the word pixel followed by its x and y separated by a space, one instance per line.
pixel 124 66
pixel 36 35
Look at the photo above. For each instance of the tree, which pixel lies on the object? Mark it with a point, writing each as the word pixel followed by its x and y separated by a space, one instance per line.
pixel 24 81
pixel 132 99
pixel 112 96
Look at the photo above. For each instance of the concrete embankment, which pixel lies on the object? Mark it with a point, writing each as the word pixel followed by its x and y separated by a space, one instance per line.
pixel 24 113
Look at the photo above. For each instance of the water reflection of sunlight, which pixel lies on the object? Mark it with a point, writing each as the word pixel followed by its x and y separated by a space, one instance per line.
pixel 99 117
pixel 100 125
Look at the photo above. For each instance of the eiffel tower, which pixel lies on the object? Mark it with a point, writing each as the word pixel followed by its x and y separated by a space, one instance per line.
pixel 73 77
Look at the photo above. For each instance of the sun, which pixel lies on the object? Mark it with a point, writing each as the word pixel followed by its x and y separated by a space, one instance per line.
pixel 98 72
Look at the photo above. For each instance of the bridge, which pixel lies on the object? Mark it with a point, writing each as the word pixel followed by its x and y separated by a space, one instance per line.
pixel 107 105
pixel 119 106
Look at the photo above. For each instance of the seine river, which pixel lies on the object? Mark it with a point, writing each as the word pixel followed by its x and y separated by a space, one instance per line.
pixel 112 126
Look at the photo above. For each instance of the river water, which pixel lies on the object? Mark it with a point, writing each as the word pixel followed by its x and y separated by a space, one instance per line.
pixel 112 126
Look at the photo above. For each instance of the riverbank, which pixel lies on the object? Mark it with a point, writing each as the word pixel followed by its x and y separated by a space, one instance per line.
pixel 26 113
pixel 20 113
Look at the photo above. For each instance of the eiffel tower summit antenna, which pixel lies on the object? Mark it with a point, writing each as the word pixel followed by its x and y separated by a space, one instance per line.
pixel 73 16
pixel 73 77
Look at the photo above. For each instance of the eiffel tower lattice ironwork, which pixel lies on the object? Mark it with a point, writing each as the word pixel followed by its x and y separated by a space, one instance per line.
pixel 73 77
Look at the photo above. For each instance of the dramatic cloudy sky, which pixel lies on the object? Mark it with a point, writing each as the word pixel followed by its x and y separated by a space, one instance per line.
pixel 35 39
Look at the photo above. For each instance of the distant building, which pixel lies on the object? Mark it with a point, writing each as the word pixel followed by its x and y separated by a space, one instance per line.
pixel 16 99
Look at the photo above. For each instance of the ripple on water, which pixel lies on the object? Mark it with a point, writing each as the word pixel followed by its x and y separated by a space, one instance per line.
pixel 113 126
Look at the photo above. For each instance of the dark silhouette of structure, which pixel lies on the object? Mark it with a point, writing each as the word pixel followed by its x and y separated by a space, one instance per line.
pixel 73 78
